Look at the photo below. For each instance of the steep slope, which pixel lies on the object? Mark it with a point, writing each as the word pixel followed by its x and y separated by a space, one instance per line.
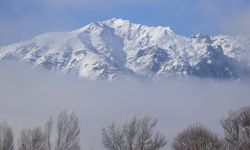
pixel 117 48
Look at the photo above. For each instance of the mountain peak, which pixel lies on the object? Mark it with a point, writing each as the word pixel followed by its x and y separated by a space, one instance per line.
pixel 122 24
pixel 117 48
pixel 117 20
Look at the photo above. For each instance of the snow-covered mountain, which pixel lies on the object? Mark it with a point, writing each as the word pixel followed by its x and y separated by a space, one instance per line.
pixel 117 48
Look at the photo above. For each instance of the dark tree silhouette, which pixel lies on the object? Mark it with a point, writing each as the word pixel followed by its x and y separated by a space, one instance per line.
pixel 197 137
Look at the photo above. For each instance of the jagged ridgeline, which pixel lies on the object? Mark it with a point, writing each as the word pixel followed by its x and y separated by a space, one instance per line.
pixel 118 49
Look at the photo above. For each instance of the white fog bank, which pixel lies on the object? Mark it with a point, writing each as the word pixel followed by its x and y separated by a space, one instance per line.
pixel 29 97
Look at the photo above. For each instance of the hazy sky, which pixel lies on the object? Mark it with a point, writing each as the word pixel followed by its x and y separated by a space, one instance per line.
pixel 23 19
pixel 28 98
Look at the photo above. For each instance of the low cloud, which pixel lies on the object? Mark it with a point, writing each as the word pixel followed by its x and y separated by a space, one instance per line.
pixel 29 97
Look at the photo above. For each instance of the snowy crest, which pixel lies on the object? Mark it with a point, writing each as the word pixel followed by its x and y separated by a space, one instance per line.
pixel 117 48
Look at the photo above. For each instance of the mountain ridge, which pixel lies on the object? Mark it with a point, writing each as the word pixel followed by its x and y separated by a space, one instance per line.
pixel 116 48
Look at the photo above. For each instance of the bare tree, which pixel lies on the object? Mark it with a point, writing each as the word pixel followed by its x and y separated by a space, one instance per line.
pixel 237 129
pixel 6 137
pixel 68 135
pixel 197 137
pixel 24 141
pixel 36 138
pixel 133 134
pixel 130 129
pixel 68 132
pixel 47 134
pixel 32 139
pixel 145 133
pixel 113 137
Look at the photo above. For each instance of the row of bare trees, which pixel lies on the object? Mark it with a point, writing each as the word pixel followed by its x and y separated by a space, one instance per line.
pixel 132 134
pixel 67 135
pixel 138 134
pixel 236 134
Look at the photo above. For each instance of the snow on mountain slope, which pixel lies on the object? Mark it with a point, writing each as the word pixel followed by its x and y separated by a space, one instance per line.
pixel 117 48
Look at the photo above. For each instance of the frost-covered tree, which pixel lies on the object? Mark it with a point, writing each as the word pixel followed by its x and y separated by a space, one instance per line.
pixel 24 140
pixel 37 138
pixel 130 131
pixel 133 134
pixel 31 139
pixel 47 134
pixel 68 132
pixel 113 137
pixel 237 129
pixel 197 137
pixel 6 137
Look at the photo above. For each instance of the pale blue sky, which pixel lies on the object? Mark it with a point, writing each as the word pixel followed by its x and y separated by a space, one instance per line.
pixel 23 19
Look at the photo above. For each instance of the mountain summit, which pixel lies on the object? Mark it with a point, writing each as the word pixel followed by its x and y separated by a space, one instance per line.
pixel 117 48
